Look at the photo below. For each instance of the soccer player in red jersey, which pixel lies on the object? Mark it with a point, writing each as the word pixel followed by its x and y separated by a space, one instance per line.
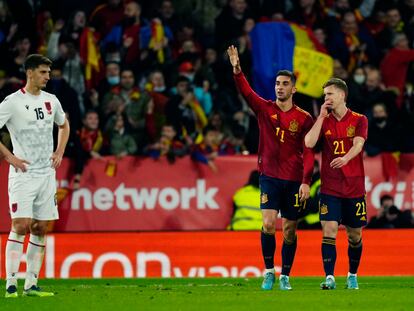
pixel 343 133
pixel 284 163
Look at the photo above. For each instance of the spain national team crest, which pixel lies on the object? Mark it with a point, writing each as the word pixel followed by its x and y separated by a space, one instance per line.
pixel 294 126
pixel 350 131
pixel 14 207
pixel 48 107
pixel 323 209
pixel 263 198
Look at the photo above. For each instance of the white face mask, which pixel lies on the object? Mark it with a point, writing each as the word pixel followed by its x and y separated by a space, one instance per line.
pixel 359 79
pixel 113 80
pixel 159 89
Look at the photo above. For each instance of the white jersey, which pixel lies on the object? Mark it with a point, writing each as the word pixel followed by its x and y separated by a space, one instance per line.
pixel 29 119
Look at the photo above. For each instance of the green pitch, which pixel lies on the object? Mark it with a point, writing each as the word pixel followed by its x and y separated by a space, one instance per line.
pixel 376 293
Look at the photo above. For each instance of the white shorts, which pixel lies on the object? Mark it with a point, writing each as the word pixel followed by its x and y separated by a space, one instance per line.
pixel 33 197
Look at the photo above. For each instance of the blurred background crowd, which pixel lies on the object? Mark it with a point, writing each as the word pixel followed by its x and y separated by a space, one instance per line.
pixel 152 78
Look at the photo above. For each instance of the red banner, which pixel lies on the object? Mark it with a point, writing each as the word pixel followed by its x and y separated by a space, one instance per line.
pixel 136 194
pixel 210 254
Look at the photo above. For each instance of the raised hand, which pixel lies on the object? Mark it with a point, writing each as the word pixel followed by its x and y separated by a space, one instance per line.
pixel 327 105
pixel 234 58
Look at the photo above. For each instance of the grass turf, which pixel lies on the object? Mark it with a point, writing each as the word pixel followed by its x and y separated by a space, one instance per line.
pixel 376 293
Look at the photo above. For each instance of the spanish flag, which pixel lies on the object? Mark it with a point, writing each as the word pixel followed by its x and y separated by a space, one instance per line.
pixel 280 45
pixel 157 38
pixel 91 58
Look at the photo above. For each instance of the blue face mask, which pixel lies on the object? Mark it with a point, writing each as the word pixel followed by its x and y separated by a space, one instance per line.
pixel 113 80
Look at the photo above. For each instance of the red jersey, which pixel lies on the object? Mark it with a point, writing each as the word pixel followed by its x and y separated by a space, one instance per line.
pixel 282 153
pixel 337 138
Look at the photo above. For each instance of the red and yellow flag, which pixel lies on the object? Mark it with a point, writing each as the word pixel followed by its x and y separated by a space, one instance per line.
pixel 91 58
pixel 157 39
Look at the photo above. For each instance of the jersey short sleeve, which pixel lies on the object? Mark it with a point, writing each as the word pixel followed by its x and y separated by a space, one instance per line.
pixel 5 111
pixel 59 117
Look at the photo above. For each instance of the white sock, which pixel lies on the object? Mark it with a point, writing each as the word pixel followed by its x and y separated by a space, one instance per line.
pixel 270 270
pixel 351 274
pixel 330 277
pixel 35 253
pixel 282 275
pixel 14 251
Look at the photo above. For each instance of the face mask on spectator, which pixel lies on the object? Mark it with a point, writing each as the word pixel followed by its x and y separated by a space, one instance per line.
pixel 379 120
pixel 128 21
pixel 113 80
pixel 359 79
pixel 190 76
pixel 159 89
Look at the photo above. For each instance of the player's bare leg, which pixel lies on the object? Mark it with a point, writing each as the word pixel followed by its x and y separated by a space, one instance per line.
pixel 268 246
pixel 35 254
pixel 288 252
pixel 354 255
pixel 330 230
pixel 14 251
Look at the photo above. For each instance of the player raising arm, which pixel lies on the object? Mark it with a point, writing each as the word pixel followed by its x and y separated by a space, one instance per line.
pixel 285 166
pixel 342 200
pixel 29 115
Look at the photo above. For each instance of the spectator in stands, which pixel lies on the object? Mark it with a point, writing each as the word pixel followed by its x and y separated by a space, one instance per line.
pixel 73 30
pixel 66 95
pixel 246 206
pixel 234 145
pixel 206 151
pixel 308 13
pixel 374 92
pixel 355 100
pixel 393 26
pixel 230 23
pixel 14 65
pixel 389 216
pixel 339 71
pixel 91 137
pixel 202 94
pixel 8 29
pixel 353 45
pixel 91 142
pixel 112 78
pixel 395 64
pixel 184 112
pixel 126 90
pixel 406 9
pixel 106 16
pixel 168 145
pixel 121 143
pixel 167 15
pixel 384 134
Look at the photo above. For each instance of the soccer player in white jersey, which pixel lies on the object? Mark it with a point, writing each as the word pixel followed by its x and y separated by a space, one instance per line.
pixel 29 115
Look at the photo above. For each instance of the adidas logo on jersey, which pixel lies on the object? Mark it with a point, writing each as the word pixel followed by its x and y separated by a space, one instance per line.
pixel 27 107
pixel 328 132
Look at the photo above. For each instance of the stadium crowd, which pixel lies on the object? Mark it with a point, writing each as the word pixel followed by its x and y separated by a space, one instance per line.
pixel 152 78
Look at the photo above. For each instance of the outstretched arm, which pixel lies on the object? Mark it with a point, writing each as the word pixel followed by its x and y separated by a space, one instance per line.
pixel 253 99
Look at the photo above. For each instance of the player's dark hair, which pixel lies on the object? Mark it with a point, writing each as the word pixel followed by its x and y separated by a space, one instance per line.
pixel 338 83
pixel 287 73
pixel 33 61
